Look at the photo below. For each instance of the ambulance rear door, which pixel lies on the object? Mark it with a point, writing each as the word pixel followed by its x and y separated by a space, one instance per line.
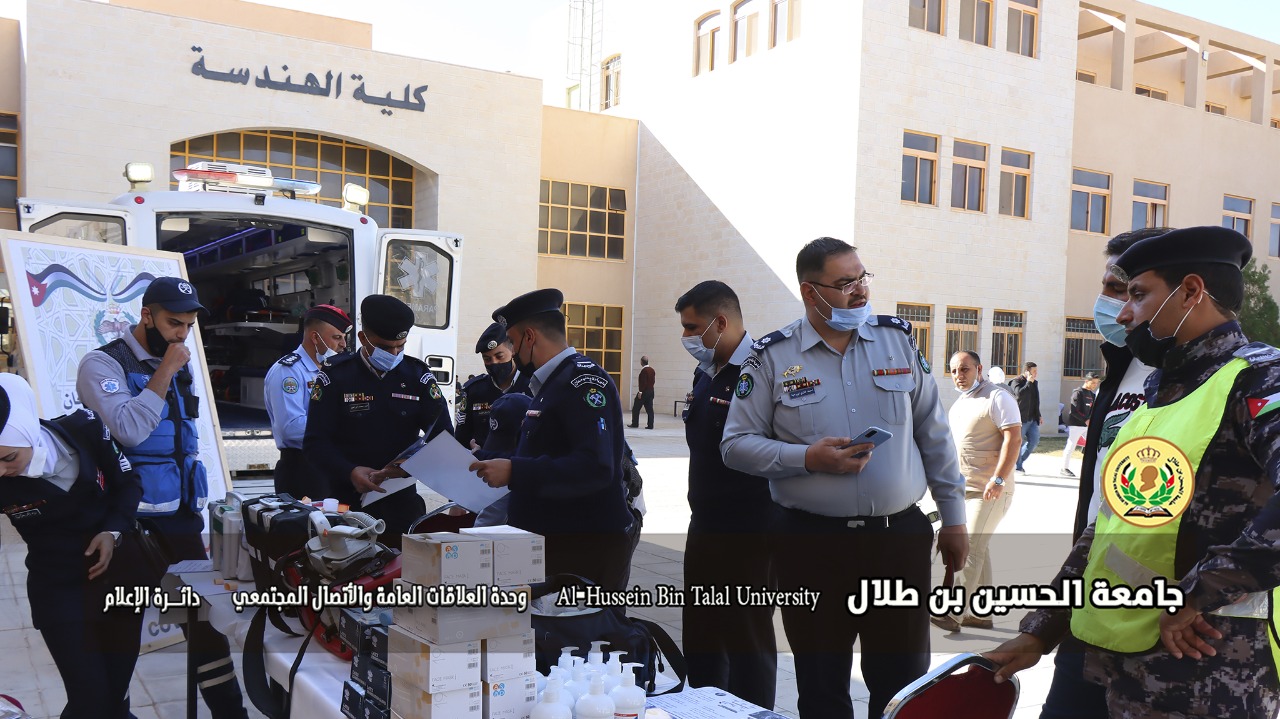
pixel 421 268
pixel 90 222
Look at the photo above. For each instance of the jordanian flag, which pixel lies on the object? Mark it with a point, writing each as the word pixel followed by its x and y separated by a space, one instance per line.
pixel 1259 407
pixel 56 277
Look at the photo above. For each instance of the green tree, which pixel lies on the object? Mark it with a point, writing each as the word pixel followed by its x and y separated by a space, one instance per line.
pixel 1260 316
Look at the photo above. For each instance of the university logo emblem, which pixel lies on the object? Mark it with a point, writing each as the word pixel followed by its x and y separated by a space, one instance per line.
pixel 1148 482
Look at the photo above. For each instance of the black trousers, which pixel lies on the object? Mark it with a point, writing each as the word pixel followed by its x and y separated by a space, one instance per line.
pixel 399 510
pixel 96 660
pixel 604 558
pixel 730 647
pixel 643 399
pixel 1071 696
pixel 292 473
pixel 825 554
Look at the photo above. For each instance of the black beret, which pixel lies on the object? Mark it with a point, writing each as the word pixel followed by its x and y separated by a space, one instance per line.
pixel 492 336
pixel 328 313
pixel 1208 245
pixel 386 317
pixel 506 414
pixel 528 305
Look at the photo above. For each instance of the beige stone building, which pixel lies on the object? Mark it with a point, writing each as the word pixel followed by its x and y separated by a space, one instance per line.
pixel 978 152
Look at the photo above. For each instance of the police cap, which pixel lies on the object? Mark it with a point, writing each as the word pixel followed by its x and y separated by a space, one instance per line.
pixel 386 317
pixel 528 305
pixel 1208 245
pixel 493 336
pixel 328 313
pixel 174 294
pixel 506 415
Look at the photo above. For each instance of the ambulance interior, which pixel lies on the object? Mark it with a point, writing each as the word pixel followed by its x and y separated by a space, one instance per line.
pixel 257 276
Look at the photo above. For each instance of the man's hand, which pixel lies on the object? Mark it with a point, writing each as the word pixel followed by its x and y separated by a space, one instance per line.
pixel 389 472
pixel 103 544
pixel 494 472
pixel 366 479
pixel 1021 652
pixel 831 456
pixel 474 445
pixel 1183 633
pixel 953 545
pixel 176 357
pixel 992 490
pixel 1040 421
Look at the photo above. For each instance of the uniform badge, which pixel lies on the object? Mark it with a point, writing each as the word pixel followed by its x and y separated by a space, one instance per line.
pixel 185 288
pixel 594 398
pixel 1148 482
pixel 792 371
pixel 924 363
pixel 316 390
pixel 290 385
pixel 110 386
pixel 493 424
pixel 434 391
pixel 745 385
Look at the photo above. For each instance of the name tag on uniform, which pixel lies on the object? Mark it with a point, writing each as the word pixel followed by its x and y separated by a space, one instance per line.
pixel 890 372
pixel 359 407
pixel 24 511
pixel 357 397
pixel 533 413
pixel 397 395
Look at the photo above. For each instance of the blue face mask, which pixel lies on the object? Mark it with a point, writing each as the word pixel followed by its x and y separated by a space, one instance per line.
pixel 383 360
pixel 1105 311
pixel 847 320
pixel 700 352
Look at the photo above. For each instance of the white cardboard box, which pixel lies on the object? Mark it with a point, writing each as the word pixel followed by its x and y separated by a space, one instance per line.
pixel 446 558
pixel 414 703
pixel 510 698
pixel 507 657
pixel 415 661
pixel 519 557
pixel 450 625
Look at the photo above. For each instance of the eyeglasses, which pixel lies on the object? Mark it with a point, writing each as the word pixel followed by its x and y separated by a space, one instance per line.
pixel 847 288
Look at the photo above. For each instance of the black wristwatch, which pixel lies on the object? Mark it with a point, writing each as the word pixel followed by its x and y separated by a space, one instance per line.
pixel 998 480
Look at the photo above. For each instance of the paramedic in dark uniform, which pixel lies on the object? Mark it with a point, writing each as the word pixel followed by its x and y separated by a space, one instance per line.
pixel 479 393
pixel 566 474
pixel 369 406
pixel 848 514
pixel 72 496
pixel 141 387
pixel 287 391
pixel 731 513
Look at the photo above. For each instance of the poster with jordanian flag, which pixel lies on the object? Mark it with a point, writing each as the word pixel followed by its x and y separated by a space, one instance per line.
pixel 1259 407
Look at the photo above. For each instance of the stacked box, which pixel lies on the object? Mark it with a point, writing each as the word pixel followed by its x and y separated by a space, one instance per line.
pixel 519 557
pixel 415 703
pixel 507 657
pixel 451 625
pixel 510 698
pixel 352 700
pixel 446 558
pixel 415 661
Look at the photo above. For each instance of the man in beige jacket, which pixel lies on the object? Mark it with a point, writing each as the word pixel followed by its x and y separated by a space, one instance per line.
pixel 987 429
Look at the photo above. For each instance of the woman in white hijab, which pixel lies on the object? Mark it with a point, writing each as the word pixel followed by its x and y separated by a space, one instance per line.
pixel 71 495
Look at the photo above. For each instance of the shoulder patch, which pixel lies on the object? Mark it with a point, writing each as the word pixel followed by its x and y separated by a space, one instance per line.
pixel 290 385
pixel 110 385
pixel 752 362
pixel 290 359
pixel 427 378
pixel 586 365
pixel 594 398
pixel 589 379
pixel 763 343
pixel 745 385
pixel 434 391
pixel 892 321
pixel 322 380
pixel 924 363
pixel 1256 353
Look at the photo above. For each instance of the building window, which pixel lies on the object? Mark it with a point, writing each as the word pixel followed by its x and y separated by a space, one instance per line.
pixel 919 168
pixel 975 21
pixel 1024 15
pixel 611 76
pixel 331 161
pixel 1237 213
pixel 927 15
pixel 1152 92
pixel 1275 122
pixel 1150 204
pixel 1006 341
pixel 968 176
pixel 1087 76
pixel 1214 108
pixel 596 331
pixel 1082 348
pixel 1090 201
pixel 708 38
pixel 921 319
pixel 8 164
pixel 962 331
pixel 784 22
pixel 1015 183
pixel 746 28
pixel 581 220
pixel 1273 249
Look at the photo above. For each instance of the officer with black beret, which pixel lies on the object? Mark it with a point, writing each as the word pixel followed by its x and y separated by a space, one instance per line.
pixel 565 476
pixel 479 393
pixel 366 408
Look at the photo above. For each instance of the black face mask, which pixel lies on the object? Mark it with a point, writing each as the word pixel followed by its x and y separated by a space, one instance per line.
pixel 526 367
pixel 1143 343
pixel 501 372
pixel 157 345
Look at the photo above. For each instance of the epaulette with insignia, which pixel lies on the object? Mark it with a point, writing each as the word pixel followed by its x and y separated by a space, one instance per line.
pixel 290 359
pixel 891 321
pixel 763 343
pixel 1256 353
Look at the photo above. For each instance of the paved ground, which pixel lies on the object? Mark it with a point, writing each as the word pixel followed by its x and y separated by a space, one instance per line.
pixel 1038 529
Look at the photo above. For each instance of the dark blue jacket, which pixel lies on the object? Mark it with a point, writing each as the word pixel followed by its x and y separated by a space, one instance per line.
pixel 475 403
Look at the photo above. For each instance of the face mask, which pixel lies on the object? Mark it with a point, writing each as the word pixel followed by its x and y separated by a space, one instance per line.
pixel 1144 345
pixel 383 360
pixel 525 367
pixel 157 345
pixel 846 320
pixel 1105 311
pixel 328 353
pixel 500 372
pixel 972 387
pixel 700 352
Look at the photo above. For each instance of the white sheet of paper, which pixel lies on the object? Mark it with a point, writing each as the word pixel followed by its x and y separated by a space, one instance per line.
pixel 191 565
pixel 442 466
pixel 392 486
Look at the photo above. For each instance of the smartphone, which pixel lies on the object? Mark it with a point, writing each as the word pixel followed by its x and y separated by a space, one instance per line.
pixel 875 435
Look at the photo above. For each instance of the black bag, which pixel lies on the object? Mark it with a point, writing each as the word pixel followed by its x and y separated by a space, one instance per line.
pixel 645 642
pixel 275 525
pixel 152 551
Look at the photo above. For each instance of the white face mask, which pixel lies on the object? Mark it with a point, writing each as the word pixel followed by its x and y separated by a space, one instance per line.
pixel 327 354
pixel 700 352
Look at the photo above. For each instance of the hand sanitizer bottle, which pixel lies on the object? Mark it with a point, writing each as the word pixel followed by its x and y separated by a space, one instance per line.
pixel 597 704
pixel 551 707
pixel 628 699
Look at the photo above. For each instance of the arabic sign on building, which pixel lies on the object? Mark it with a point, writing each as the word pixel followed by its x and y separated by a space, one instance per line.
pixel 310 85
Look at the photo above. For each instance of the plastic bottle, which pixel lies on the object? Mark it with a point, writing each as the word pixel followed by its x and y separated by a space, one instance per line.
pixel 614 677
pixel 628 699
pixel 550 707
pixel 597 704
pixel 540 681
pixel 578 685
pixel 595 657
pixel 566 658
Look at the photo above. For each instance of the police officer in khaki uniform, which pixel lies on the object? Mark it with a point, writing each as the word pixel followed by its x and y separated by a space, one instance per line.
pixel 1189 498
pixel 848 513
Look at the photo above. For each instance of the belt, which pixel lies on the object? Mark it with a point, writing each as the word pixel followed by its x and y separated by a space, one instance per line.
pixel 883 521
pixel 290 451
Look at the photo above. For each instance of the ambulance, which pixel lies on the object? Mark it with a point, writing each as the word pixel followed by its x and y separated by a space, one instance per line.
pixel 260 253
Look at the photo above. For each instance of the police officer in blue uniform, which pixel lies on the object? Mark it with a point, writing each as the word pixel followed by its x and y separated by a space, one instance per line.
pixel 141 387
pixel 479 393
pixel 72 496
pixel 731 512
pixel 287 391
pixel 505 419
pixel 369 406
pixel 566 474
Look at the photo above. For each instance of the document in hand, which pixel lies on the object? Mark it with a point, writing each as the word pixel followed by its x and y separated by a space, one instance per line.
pixel 442 464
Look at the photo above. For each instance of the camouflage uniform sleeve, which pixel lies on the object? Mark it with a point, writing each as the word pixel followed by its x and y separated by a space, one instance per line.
pixel 1051 624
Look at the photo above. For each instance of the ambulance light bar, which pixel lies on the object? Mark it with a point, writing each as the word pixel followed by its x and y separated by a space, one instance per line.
pixel 216 179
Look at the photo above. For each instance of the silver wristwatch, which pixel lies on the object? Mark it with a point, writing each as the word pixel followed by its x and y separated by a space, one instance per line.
pixel 999 481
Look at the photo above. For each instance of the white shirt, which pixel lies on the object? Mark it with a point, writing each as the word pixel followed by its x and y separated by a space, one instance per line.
pixel 1129 396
